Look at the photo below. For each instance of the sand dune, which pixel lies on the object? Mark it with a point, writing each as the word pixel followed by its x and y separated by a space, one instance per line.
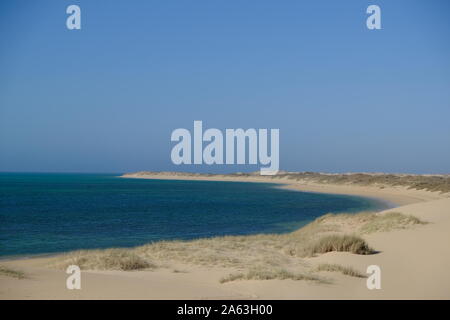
pixel 414 259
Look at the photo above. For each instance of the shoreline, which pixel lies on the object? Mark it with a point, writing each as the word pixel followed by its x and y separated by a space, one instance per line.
pixel 384 204
pixel 395 195
pixel 414 252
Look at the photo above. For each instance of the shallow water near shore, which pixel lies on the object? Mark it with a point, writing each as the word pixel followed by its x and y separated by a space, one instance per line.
pixel 49 213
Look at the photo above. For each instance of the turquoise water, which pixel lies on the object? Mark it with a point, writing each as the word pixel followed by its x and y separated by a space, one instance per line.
pixel 47 213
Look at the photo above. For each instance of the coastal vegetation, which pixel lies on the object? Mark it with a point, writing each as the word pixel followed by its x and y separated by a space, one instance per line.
pixel 5 271
pixel 332 267
pixel 339 243
pixel 389 221
pixel 265 274
pixel 261 256
pixel 108 259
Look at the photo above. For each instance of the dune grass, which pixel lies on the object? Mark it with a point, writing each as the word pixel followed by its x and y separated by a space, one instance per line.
pixel 370 222
pixel 331 232
pixel 262 250
pixel 390 221
pixel 109 259
pixel 264 274
pixel 4 271
pixel 348 271
pixel 339 243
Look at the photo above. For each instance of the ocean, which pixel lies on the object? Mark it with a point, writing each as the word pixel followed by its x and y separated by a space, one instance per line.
pixel 49 213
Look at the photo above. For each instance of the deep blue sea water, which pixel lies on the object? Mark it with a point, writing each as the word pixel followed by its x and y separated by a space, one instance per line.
pixel 47 213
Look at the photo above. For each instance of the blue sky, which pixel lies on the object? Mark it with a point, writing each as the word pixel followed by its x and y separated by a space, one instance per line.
pixel 107 97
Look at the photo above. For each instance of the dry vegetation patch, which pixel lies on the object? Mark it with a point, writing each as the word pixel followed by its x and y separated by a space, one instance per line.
pixel 369 222
pixel 265 274
pixel 4 271
pixel 348 271
pixel 434 183
pixel 339 243
pixel 272 256
pixel 389 221
pixel 109 259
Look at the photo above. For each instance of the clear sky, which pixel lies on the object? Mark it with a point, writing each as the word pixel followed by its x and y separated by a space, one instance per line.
pixel 107 97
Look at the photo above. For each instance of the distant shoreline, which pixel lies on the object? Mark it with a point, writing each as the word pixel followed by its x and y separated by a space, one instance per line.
pixel 316 182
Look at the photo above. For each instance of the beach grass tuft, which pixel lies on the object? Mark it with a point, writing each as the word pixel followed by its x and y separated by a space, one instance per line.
pixel 348 271
pixel 389 221
pixel 109 259
pixel 337 242
pixel 4 271
pixel 274 274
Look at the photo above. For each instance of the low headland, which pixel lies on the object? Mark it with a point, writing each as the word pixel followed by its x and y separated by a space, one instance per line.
pixel 326 259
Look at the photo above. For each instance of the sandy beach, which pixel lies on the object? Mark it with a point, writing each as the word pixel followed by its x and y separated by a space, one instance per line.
pixel 414 258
